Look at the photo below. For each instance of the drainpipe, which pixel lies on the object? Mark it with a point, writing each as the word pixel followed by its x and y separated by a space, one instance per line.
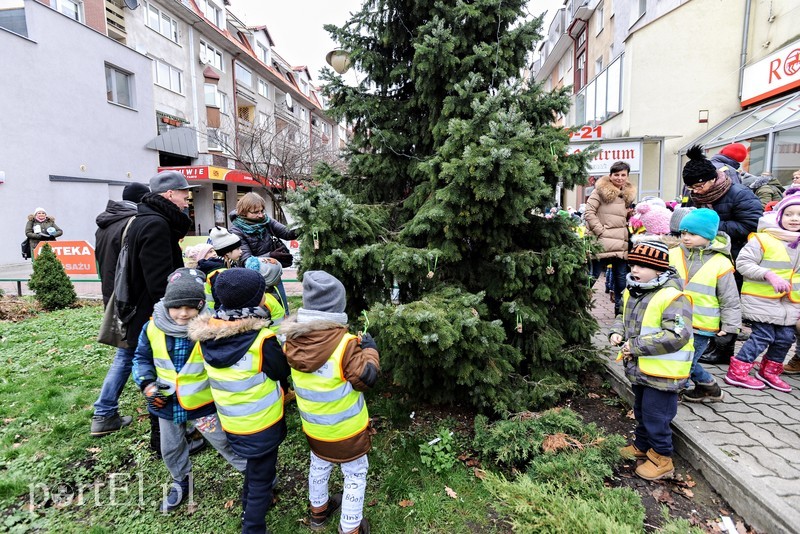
pixel 193 91
pixel 743 58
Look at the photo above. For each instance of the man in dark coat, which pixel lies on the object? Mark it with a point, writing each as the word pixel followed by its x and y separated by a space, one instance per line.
pixel 153 253
pixel 108 237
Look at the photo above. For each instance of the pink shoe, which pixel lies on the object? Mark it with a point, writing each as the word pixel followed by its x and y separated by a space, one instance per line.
pixel 739 375
pixel 770 374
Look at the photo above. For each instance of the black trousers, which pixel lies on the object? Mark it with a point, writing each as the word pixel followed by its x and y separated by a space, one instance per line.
pixel 259 478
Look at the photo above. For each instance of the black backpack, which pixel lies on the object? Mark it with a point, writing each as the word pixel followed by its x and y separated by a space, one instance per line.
pixel 126 309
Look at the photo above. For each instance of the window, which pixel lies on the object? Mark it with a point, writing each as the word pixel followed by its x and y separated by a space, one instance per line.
pixel 263 119
pixel 263 53
pixel 642 7
pixel 600 16
pixel 303 114
pixel 304 87
pixel 167 76
pixel 217 139
pixel 598 65
pixel 161 22
pixel 243 75
pixel 71 8
pixel 263 88
pixel 12 17
pixel 211 55
pixel 119 86
pixel 212 12
pixel 216 98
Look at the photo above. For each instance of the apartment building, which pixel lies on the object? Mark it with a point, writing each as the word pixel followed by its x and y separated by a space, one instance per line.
pixel 200 86
pixel 651 77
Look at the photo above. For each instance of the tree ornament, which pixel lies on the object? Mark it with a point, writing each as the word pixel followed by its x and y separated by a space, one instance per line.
pixel 315 236
pixel 549 269
pixel 435 262
pixel 519 323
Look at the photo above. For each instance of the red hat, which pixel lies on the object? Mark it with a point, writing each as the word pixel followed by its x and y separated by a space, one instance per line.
pixel 735 151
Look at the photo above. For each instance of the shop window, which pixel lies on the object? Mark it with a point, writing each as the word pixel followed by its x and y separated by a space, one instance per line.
pixel 786 154
pixel 220 207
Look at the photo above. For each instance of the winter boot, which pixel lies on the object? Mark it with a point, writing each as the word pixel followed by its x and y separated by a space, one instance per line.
pixel 318 520
pixel 363 528
pixel 177 494
pixel 632 453
pixel 793 366
pixel 739 375
pixel 656 467
pixel 770 374
pixel 106 425
pixel 704 393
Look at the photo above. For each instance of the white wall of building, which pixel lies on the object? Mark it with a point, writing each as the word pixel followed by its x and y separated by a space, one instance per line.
pixel 56 121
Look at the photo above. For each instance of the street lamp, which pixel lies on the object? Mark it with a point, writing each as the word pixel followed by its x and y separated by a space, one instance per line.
pixel 339 60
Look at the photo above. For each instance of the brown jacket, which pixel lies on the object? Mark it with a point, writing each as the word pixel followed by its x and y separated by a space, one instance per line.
pixel 308 346
pixel 607 216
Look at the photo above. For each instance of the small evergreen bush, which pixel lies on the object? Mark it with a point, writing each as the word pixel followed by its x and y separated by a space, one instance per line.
pixel 50 283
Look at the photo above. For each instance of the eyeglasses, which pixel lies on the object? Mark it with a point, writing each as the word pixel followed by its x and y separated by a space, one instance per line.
pixel 697 186
pixel 255 212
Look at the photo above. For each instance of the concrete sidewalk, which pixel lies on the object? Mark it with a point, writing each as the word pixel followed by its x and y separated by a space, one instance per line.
pixel 747 446
pixel 91 290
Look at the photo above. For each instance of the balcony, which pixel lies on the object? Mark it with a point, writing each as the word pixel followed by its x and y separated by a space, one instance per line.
pixel 115 21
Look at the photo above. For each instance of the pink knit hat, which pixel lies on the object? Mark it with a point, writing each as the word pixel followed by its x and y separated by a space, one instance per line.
pixel 198 252
pixel 654 217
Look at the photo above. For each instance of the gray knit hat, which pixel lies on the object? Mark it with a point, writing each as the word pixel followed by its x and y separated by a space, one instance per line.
pixel 223 241
pixel 269 268
pixel 323 292
pixel 185 287
pixel 677 216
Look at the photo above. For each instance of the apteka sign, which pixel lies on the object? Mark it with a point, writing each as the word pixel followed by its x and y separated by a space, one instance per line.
pixel 77 257
pixel 776 73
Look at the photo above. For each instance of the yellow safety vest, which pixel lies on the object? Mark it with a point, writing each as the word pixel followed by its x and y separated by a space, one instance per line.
pixel 276 311
pixel 776 259
pixel 330 409
pixel 247 400
pixel 674 364
pixel 702 288
pixel 207 285
pixel 190 385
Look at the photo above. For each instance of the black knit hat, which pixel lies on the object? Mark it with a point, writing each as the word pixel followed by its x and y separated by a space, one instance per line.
pixel 698 169
pixel 652 254
pixel 134 192
pixel 185 287
pixel 239 288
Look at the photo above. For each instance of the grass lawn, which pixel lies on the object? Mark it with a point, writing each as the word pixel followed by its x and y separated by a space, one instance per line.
pixel 55 477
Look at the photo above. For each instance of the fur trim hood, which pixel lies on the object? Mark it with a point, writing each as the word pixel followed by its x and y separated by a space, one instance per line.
pixel 608 191
pixel 223 343
pixel 310 344
pixel 292 329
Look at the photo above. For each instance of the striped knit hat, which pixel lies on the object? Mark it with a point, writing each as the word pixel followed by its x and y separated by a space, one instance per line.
pixel 651 254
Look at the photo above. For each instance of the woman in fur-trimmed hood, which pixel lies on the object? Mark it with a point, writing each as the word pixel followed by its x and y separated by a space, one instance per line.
pixel 41 227
pixel 607 218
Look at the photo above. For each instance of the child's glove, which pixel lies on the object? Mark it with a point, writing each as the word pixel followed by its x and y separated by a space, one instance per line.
pixel 615 339
pixel 367 342
pixel 155 399
pixel 778 284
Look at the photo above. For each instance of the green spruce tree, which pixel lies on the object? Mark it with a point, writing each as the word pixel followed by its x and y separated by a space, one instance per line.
pixel 450 156
pixel 49 281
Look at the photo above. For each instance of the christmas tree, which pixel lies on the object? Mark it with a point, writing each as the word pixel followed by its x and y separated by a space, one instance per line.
pixel 432 228
pixel 49 281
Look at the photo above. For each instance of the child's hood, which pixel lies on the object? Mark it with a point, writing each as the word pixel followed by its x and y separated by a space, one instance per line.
pixel 310 344
pixel 224 342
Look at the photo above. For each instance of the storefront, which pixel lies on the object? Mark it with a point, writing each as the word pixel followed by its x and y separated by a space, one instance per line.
pixel 220 189
pixel 770 126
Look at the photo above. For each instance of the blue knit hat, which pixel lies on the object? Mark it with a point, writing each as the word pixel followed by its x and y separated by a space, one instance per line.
pixel 239 288
pixel 703 222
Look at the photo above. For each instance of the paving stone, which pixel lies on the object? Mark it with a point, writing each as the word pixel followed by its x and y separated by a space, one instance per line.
pixel 770 412
pixel 782 486
pixel 725 439
pixel 792 413
pixel 728 407
pixel 792 500
pixel 704 412
pixel 773 462
pixel 760 433
pixel 745 457
pixel 737 417
pixel 792 456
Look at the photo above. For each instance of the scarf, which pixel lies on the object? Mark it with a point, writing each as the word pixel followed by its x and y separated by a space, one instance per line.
pixel 716 192
pixel 638 288
pixel 250 227
pixel 768 224
pixel 167 324
pixel 243 313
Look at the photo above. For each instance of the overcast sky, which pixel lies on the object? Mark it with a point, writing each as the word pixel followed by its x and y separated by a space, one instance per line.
pixel 296 25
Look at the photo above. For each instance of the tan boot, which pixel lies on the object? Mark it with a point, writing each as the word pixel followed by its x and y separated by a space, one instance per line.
pixel 792 367
pixel 656 467
pixel 632 453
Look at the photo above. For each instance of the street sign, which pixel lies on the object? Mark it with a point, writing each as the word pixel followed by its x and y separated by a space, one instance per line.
pixel 77 257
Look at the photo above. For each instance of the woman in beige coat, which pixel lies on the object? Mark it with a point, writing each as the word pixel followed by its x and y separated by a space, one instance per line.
pixel 607 218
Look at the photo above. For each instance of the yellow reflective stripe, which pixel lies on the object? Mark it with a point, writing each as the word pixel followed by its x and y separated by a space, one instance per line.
pixel 237 386
pixel 334 418
pixel 325 396
pixel 191 386
pixel 250 408
pixel 673 365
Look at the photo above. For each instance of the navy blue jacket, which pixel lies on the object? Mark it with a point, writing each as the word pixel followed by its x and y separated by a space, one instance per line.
pixel 739 210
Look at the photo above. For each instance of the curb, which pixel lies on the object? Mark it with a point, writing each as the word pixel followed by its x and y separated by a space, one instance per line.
pixel 751 498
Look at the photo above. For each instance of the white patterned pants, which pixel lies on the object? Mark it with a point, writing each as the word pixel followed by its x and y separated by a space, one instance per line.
pixel 355 485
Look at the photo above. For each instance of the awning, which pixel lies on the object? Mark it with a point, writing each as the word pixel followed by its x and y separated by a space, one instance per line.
pixel 180 141
pixel 210 173
pixel 767 118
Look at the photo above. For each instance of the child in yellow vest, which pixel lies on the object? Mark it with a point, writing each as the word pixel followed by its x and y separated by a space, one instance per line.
pixel 770 296
pixel 176 391
pixel 655 335
pixel 245 366
pixel 271 270
pixel 703 262
pixel 330 369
